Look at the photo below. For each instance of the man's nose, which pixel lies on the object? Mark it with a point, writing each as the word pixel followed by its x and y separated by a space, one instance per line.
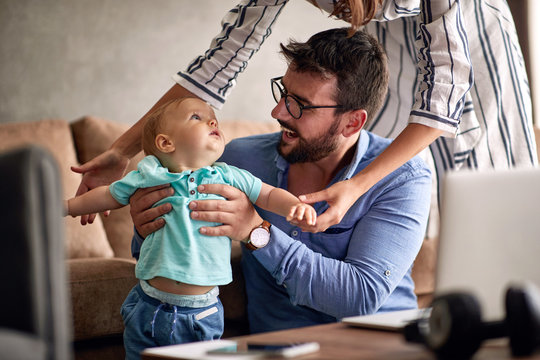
pixel 280 110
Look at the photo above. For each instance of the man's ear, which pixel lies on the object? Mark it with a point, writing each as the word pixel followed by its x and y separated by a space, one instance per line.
pixel 164 143
pixel 354 122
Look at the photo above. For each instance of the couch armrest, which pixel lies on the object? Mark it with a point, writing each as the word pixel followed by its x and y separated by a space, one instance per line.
pixel 99 286
pixel 423 271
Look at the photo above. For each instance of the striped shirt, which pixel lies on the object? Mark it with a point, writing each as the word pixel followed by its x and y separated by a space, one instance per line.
pixel 455 66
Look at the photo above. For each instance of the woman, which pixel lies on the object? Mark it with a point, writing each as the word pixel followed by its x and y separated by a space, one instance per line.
pixel 458 85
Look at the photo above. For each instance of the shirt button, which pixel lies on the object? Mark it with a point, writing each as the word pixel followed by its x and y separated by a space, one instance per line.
pixel 387 273
pixel 192 192
pixel 191 179
pixel 294 233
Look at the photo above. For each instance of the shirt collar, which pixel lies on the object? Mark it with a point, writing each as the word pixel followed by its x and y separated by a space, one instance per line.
pixel 151 165
pixel 361 148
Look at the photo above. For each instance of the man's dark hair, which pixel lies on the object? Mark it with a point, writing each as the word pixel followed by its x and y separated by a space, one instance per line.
pixel 358 62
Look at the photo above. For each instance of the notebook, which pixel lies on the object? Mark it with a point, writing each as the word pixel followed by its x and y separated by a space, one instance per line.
pixel 489 238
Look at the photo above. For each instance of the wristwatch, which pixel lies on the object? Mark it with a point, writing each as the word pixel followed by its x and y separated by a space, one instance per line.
pixel 259 236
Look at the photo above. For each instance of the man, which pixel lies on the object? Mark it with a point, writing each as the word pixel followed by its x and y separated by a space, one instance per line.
pixel 362 265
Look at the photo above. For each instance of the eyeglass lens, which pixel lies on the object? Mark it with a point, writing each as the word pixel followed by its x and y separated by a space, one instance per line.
pixel 292 105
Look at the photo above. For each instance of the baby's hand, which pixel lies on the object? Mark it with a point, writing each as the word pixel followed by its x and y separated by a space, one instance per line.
pixel 302 215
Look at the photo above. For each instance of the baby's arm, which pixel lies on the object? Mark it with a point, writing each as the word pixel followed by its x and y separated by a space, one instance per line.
pixel 286 204
pixel 94 201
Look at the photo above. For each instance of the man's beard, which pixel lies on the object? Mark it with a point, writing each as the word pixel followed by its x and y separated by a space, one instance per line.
pixel 312 150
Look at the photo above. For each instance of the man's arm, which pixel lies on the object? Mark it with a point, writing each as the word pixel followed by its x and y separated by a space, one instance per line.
pixel 380 250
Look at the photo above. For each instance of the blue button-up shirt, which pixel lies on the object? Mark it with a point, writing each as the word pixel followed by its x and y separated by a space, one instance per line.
pixel 360 266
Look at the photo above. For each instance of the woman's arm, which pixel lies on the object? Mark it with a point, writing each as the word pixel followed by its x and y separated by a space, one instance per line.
pixel 444 78
pixel 244 30
pixel 340 196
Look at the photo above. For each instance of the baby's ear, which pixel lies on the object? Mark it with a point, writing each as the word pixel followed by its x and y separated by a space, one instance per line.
pixel 164 143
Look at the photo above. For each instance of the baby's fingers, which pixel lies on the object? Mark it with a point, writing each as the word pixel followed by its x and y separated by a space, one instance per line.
pixel 311 216
pixel 299 215
pixel 292 213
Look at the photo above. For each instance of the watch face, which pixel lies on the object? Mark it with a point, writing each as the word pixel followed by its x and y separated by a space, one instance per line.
pixel 259 237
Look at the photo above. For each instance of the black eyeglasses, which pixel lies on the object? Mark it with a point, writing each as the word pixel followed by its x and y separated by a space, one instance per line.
pixel 293 105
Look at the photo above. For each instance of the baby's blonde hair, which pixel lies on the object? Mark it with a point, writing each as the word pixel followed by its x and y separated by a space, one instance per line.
pixel 155 125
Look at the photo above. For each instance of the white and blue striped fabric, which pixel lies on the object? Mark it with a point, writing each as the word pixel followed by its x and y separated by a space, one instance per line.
pixel 454 65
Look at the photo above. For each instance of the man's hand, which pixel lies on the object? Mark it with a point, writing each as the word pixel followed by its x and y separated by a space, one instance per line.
pixel 102 170
pixel 145 217
pixel 237 214
pixel 340 197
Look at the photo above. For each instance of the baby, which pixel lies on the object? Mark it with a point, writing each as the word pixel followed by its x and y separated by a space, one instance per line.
pixel 179 269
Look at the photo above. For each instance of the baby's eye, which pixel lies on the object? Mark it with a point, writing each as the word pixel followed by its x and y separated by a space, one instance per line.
pixel 195 117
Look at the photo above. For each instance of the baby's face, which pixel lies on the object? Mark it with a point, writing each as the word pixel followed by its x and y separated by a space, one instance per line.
pixel 193 127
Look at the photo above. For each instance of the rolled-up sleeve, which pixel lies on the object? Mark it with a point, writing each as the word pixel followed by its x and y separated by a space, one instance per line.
pixel 445 72
pixel 212 75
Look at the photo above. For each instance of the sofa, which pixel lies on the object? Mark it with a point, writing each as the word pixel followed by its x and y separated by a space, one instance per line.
pixel 98 256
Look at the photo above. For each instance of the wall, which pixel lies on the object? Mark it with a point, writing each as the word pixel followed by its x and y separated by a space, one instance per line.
pixel 114 58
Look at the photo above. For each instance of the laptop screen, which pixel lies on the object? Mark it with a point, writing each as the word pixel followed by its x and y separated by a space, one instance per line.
pixel 490 235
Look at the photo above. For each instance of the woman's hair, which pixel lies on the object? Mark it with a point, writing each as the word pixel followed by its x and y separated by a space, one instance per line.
pixel 356 12
pixel 358 62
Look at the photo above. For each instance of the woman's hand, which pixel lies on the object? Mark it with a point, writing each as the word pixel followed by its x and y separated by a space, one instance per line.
pixel 340 197
pixel 236 214
pixel 102 170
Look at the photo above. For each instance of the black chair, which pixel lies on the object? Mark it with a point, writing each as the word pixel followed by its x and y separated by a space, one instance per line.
pixel 34 306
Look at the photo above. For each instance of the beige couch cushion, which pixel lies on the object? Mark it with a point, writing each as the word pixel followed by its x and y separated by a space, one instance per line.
pixel 98 289
pixel 55 136
pixel 92 136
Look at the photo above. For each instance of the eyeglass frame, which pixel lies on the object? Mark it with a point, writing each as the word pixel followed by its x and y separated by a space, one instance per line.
pixel 301 106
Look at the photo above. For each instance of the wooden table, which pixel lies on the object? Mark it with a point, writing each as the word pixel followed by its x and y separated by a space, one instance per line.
pixel 339 341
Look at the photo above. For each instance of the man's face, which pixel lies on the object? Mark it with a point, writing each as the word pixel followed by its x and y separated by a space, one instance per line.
pixel 315 134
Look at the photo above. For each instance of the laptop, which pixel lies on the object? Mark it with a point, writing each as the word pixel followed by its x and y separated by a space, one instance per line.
pixel 489 239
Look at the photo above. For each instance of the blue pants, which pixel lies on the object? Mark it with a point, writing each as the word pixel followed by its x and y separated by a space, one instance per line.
pixel 156 318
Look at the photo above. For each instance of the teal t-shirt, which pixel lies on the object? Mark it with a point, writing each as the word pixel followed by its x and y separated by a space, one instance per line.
pixel 178 251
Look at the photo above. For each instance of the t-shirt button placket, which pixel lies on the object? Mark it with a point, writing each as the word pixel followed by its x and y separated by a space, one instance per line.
pixel 192 191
